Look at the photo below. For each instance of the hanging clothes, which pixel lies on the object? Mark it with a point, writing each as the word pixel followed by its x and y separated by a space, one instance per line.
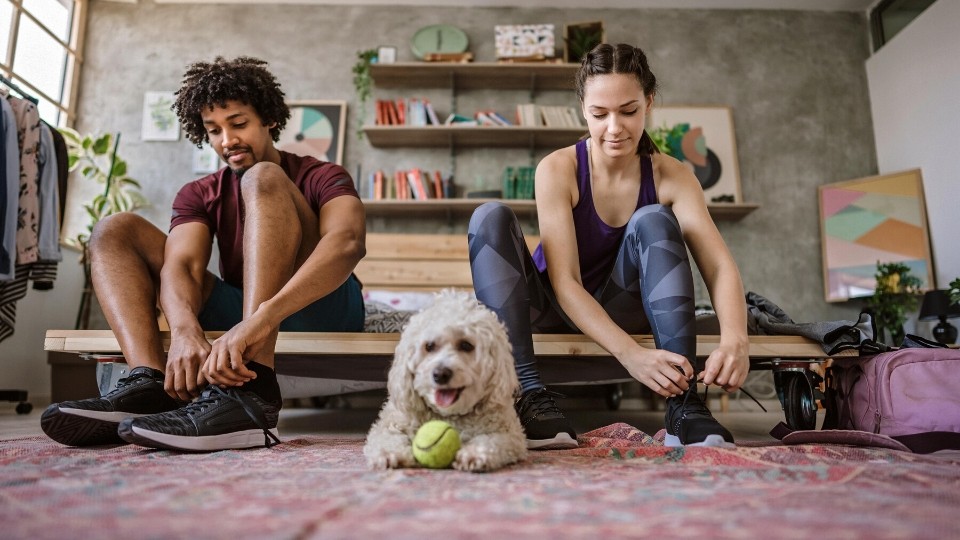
pixel 28 216
pixel 11 186
pixel 31 204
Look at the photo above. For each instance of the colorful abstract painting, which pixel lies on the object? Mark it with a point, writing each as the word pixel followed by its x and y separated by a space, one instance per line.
pixel 315 128
pixel 702 138
pixel 871 220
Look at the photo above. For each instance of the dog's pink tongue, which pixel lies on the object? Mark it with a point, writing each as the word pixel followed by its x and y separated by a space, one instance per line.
pixel 445 397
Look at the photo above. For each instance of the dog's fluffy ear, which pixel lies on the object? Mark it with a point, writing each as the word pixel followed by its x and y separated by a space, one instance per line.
pixel 400 377
pixel 492 343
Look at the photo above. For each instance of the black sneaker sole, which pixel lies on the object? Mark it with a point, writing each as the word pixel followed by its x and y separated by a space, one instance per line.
pixel 74 430
pixel 562 441
pixel 250 438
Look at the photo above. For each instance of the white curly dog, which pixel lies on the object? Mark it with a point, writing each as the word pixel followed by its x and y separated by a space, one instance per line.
pixel 453 363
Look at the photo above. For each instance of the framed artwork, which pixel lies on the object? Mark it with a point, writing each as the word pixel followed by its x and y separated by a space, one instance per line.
pixel 206 160
pixel 315 128
pixel 580 38
pixel 524 40
pixel 386 55
pixel 870 220
pixel 703 139
pixel 159 121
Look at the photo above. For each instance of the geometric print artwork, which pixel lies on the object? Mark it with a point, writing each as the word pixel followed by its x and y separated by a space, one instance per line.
pixel 871 220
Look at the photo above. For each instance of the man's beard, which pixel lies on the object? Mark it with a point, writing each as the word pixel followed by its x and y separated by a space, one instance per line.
pixel 238 172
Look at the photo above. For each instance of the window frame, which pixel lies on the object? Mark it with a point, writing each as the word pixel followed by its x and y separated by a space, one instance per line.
pixel 67 104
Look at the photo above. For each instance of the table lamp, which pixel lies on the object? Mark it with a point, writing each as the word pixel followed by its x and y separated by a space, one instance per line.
pixel 936 305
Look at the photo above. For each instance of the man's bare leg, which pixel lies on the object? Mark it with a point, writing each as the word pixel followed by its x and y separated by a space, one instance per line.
pixel 280 232
pixel 126 254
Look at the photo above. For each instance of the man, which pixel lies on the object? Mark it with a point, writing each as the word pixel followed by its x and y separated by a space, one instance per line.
pixel 290 231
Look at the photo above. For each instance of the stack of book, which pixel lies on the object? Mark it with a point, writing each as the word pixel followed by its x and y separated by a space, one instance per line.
pixel 518 182
pixel 413 184
pixel 529 114
pixel 405 112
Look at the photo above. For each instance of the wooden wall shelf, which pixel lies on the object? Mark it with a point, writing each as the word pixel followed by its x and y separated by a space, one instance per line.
pixel 522 207
pixel 518 76
pixel 472 136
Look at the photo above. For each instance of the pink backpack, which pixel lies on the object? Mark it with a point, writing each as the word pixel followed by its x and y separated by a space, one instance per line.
pixel 907 399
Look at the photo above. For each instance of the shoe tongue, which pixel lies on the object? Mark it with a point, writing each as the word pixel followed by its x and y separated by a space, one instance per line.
pixel 445 397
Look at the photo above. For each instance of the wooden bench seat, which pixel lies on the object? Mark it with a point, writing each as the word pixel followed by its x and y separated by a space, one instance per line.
pixel 424 263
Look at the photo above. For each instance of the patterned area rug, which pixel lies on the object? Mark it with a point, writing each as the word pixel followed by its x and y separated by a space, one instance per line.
pixel 621 483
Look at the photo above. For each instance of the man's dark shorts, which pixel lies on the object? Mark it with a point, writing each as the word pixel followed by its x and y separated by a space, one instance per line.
pixel 339 311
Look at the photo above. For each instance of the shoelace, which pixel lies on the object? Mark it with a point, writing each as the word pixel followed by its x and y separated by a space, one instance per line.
pixel 707 388
pixel 132 378
pixel 208 398
pixel 540 402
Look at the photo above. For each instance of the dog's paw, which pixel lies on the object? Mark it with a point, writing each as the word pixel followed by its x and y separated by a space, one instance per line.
pixel 391 460
pixel 476 459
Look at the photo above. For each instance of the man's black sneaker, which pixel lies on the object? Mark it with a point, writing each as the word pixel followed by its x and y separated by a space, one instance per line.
pixel 543 422
pixel 218 420
pixel 93 421
pixel 689 423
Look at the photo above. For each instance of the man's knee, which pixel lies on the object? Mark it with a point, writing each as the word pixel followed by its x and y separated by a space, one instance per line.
pixel 264 178
pixel 121 227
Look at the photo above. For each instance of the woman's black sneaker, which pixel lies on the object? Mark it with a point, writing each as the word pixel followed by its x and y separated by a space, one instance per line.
pixel 217 420
pixel 689 423
pixel 543 422
pixel 94 421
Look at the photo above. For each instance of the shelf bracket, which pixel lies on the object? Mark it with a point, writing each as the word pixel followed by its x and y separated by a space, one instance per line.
pixel 533 87
pixel 453 92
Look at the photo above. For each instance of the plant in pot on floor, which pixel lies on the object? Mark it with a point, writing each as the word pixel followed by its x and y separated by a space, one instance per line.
pixel 896 294
pixel 96 158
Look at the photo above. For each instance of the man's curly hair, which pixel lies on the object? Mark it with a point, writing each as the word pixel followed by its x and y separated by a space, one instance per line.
pixel 244 79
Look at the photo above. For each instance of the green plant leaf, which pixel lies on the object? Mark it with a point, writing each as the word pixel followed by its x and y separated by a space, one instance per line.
pixel 87 142
pixel 102 144
pixel 119 168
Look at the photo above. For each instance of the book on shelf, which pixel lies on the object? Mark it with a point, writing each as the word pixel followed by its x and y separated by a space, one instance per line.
pixel 413 184
pixel 528 115
pixel 456 119
pixel 518 182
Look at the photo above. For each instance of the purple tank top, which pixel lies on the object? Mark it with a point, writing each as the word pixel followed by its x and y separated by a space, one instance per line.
pixel 597 242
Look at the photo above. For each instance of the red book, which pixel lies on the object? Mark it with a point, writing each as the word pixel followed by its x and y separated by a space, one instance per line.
pixel 437 184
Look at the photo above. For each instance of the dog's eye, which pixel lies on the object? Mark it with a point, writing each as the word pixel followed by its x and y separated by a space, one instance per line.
pixel 465 346
pixel 429 346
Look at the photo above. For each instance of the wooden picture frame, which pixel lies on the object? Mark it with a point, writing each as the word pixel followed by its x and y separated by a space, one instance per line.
pixel 316 128
pixel 579 38
pixel 869 220
pixel 695 129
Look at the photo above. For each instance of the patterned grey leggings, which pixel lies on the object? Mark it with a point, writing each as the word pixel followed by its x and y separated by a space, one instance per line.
pixel 650 288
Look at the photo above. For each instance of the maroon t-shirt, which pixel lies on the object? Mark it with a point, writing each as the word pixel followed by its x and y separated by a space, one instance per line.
pixel 215 201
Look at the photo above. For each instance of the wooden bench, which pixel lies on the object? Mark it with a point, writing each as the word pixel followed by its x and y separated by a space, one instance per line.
pixel 429 262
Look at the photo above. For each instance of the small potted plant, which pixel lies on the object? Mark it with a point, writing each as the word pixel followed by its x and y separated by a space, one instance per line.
pixel 897 293
pixel 96 158
pixel 955 291
pixel 363 83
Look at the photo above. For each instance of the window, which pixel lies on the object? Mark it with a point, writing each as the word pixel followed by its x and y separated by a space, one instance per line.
pixel 892 16
pixel 40 52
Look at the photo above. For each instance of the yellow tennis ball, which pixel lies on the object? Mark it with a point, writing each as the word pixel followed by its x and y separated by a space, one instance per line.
pixel 436 444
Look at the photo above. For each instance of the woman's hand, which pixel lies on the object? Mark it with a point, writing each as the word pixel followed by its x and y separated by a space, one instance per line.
pixel 727 366
pixel 664 372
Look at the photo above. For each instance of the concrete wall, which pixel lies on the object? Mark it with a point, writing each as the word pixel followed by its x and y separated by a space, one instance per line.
pixel 914 83
pixel 795 81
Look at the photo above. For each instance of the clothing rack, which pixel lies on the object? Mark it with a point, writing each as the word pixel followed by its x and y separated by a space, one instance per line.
pixel 11 85
pixel 19 396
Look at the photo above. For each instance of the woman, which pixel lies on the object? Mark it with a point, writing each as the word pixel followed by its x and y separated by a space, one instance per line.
pixel 616 218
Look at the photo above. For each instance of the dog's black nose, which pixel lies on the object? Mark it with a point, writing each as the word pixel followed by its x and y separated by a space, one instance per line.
pixel 441 375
